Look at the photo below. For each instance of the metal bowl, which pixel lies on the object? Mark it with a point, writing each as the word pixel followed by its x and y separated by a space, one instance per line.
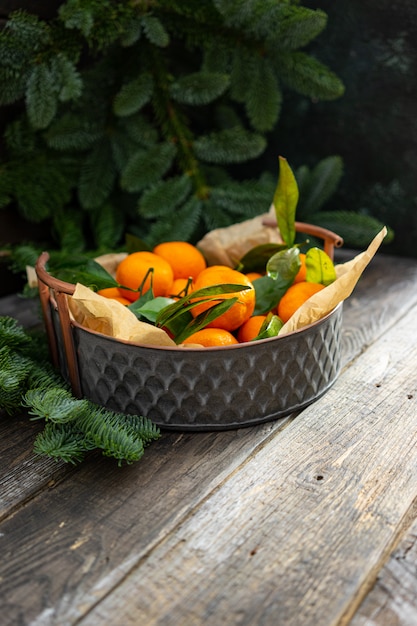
pixel 192 389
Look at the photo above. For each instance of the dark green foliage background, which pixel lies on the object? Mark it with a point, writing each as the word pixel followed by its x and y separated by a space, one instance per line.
pixel 166 119
pixel 372 46
pixel 135 116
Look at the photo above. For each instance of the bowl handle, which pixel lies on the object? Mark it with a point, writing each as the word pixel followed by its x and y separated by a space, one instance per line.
pixel 54 292
pixel 330 239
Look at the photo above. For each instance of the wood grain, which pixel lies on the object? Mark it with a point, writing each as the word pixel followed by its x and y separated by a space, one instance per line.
pixel 393 600
pixel 71 536
pixel 73 542
pixel 297 534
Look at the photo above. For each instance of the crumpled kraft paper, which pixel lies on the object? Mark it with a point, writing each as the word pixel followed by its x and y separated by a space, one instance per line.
pixel 113 319
pixel 226 246
pixel 321 303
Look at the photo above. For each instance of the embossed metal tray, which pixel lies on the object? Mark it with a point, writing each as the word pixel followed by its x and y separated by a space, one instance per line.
pixel 192 389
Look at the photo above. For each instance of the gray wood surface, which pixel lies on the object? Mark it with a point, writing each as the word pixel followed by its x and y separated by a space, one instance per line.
pixel 393 600
pixel 291 522
pixel 318 510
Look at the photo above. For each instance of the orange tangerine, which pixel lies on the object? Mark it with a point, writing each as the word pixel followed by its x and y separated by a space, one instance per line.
pixel 253 275
pixel 250 329
pixel 132 270
pixel 301 275
pixel 178 287
pixel 241 310
pixel 184 258
pixel 294 297
pixel 114 294
pixel 208 337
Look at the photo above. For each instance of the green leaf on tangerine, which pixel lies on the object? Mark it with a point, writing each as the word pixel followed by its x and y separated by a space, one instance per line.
pixel 285 202
pixel 270 328
pixel 319 267
pixel 195 298
pixel 285 264
pixel 204 318
pixel 91 274
pixel 269 292
pixel 150 309
pixel 255 260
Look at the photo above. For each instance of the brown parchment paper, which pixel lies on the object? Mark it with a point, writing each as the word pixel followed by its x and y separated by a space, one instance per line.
pixel 226 246
pixel 328 298
pixel 113 319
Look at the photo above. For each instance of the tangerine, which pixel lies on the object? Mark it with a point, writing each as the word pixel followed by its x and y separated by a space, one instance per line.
pixel 295 296
pixel 208 337
pixel 178 287
pixel 302 272
pixel 185 259
pixel 253 276
pixel 132 270
pixel 250 329
pixel 241 310
pixel 113 293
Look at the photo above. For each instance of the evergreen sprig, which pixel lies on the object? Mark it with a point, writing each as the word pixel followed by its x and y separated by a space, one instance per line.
pixel 72 426
pixel 121 99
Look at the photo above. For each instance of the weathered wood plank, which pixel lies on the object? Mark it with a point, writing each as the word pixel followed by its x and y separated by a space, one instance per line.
pixel 72 554
pixel 386 290
pixel 298 534
pixel 393 600
pixel 73 543
pixel 23 474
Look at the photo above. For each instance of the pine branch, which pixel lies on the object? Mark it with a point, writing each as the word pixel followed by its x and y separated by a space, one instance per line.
pixel 318 185
pixel 72 426
pixel 61 442
pixel 356 229
pixel 146 167
pixel 233 145
pixel 164 197
pixel 181 223
pixel 109 432
pixel 14 371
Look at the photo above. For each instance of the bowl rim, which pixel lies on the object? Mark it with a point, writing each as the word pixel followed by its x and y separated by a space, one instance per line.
pixel 196 348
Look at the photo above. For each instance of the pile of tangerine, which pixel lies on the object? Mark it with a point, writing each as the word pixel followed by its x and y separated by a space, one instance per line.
pixel 174 263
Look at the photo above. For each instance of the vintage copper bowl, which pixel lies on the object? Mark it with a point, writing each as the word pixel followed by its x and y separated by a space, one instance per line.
pixel 194 389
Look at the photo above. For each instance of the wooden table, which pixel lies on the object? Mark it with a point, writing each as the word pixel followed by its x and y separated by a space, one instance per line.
pixel 309 520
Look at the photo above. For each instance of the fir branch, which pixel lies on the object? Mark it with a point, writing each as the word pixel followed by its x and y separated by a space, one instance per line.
pixel 68 229
pixel 12 334
pixel 308 76
pixel 41 96
pixel 61 442
pixel 143 427
pixel 199 88
pixel 97 175
pixel 243 199
pixel 109 432
pixel 232 145
pixel 318 185
pixel 107 225
pixel 164 197
pixel 356 229
pixel 181 224
pixel 53 404
pixel 155 31
pixel 263 97
pixel 133 95
pixel 146 167
pixel 67 76
pixel 72 132
pixel 14 371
